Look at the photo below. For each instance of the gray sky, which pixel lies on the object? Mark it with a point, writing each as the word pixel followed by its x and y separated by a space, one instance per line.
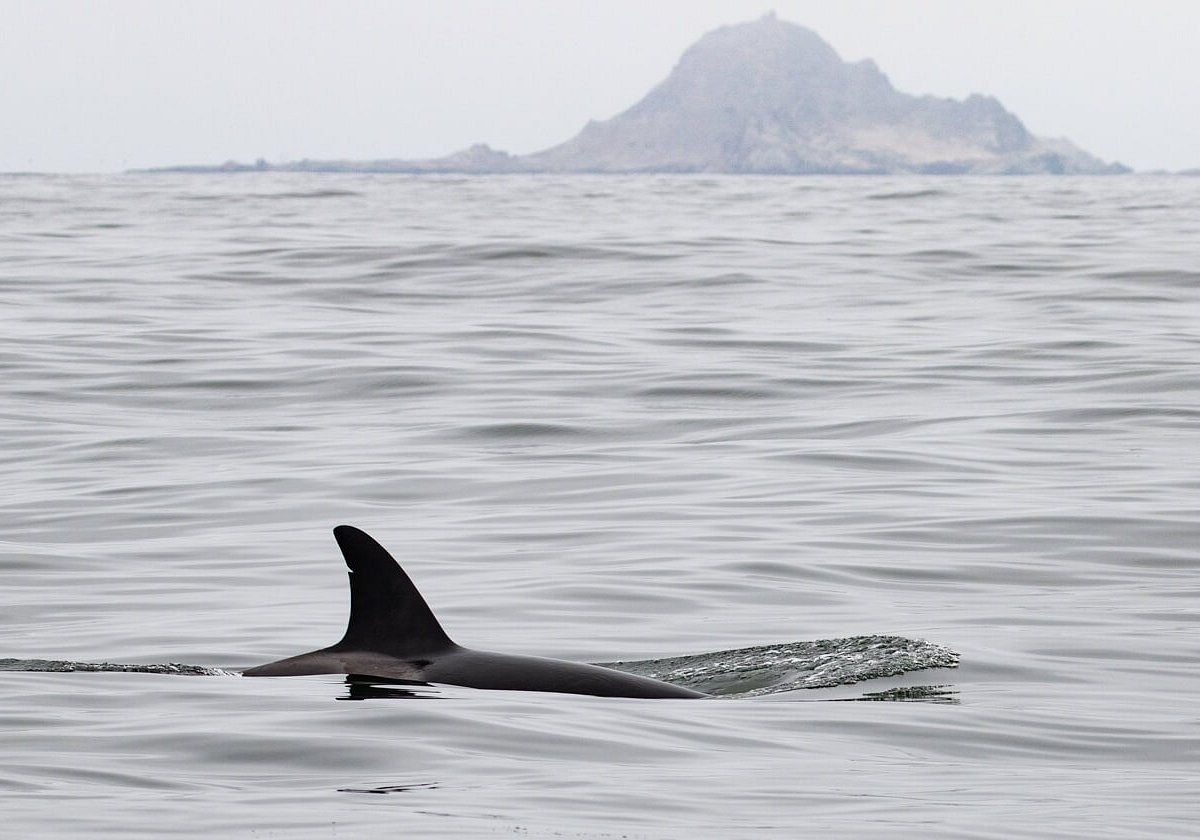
pixel 104 85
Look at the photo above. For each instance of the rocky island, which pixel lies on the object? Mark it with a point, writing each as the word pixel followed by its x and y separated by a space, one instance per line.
pixel 770 97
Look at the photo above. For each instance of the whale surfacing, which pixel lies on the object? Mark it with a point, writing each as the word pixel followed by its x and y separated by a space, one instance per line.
pixel 392 634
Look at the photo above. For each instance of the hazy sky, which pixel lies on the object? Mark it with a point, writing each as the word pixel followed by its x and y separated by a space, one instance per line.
pixel 104 85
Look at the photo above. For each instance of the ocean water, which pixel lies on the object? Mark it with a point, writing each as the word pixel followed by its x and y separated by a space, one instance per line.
pixel 603 418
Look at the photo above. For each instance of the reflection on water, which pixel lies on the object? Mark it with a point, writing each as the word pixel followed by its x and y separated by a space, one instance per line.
pixel 359 687
pixel 912 694
pixel 393 788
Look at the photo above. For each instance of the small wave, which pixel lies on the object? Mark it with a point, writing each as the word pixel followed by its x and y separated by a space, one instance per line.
pixel 909 694
pixel 770 669
pixel 905 194
pixel 392 788
pixel 1159 277
pixel 311 194
pixel 701 392
pixel 940 254
pixel 716 340
pixel 570 252
pixel 523 431
pixel 59 666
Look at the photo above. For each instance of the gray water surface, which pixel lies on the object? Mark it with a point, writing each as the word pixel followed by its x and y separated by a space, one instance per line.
pixel 603 419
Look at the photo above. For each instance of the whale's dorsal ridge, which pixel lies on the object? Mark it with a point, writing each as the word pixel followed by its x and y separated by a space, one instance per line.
pixel 387 613
pixel 392 634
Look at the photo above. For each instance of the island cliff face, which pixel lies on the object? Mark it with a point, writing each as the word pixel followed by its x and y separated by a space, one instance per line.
pixel 771 97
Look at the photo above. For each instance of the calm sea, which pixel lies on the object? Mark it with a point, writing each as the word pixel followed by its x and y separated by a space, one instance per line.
pixel 602 418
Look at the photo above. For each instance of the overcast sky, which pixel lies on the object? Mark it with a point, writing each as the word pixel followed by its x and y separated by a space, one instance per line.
pixel 105 85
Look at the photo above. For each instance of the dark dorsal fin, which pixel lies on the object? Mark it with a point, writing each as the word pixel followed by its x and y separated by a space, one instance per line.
pixel 387 613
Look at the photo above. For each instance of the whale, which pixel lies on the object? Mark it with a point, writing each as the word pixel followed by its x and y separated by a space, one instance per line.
pixel 392 634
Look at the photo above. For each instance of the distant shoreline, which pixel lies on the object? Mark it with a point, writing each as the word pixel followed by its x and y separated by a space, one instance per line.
pixel 765 97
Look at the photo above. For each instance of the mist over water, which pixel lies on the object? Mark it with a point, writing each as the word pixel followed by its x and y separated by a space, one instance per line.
pixel 602 418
